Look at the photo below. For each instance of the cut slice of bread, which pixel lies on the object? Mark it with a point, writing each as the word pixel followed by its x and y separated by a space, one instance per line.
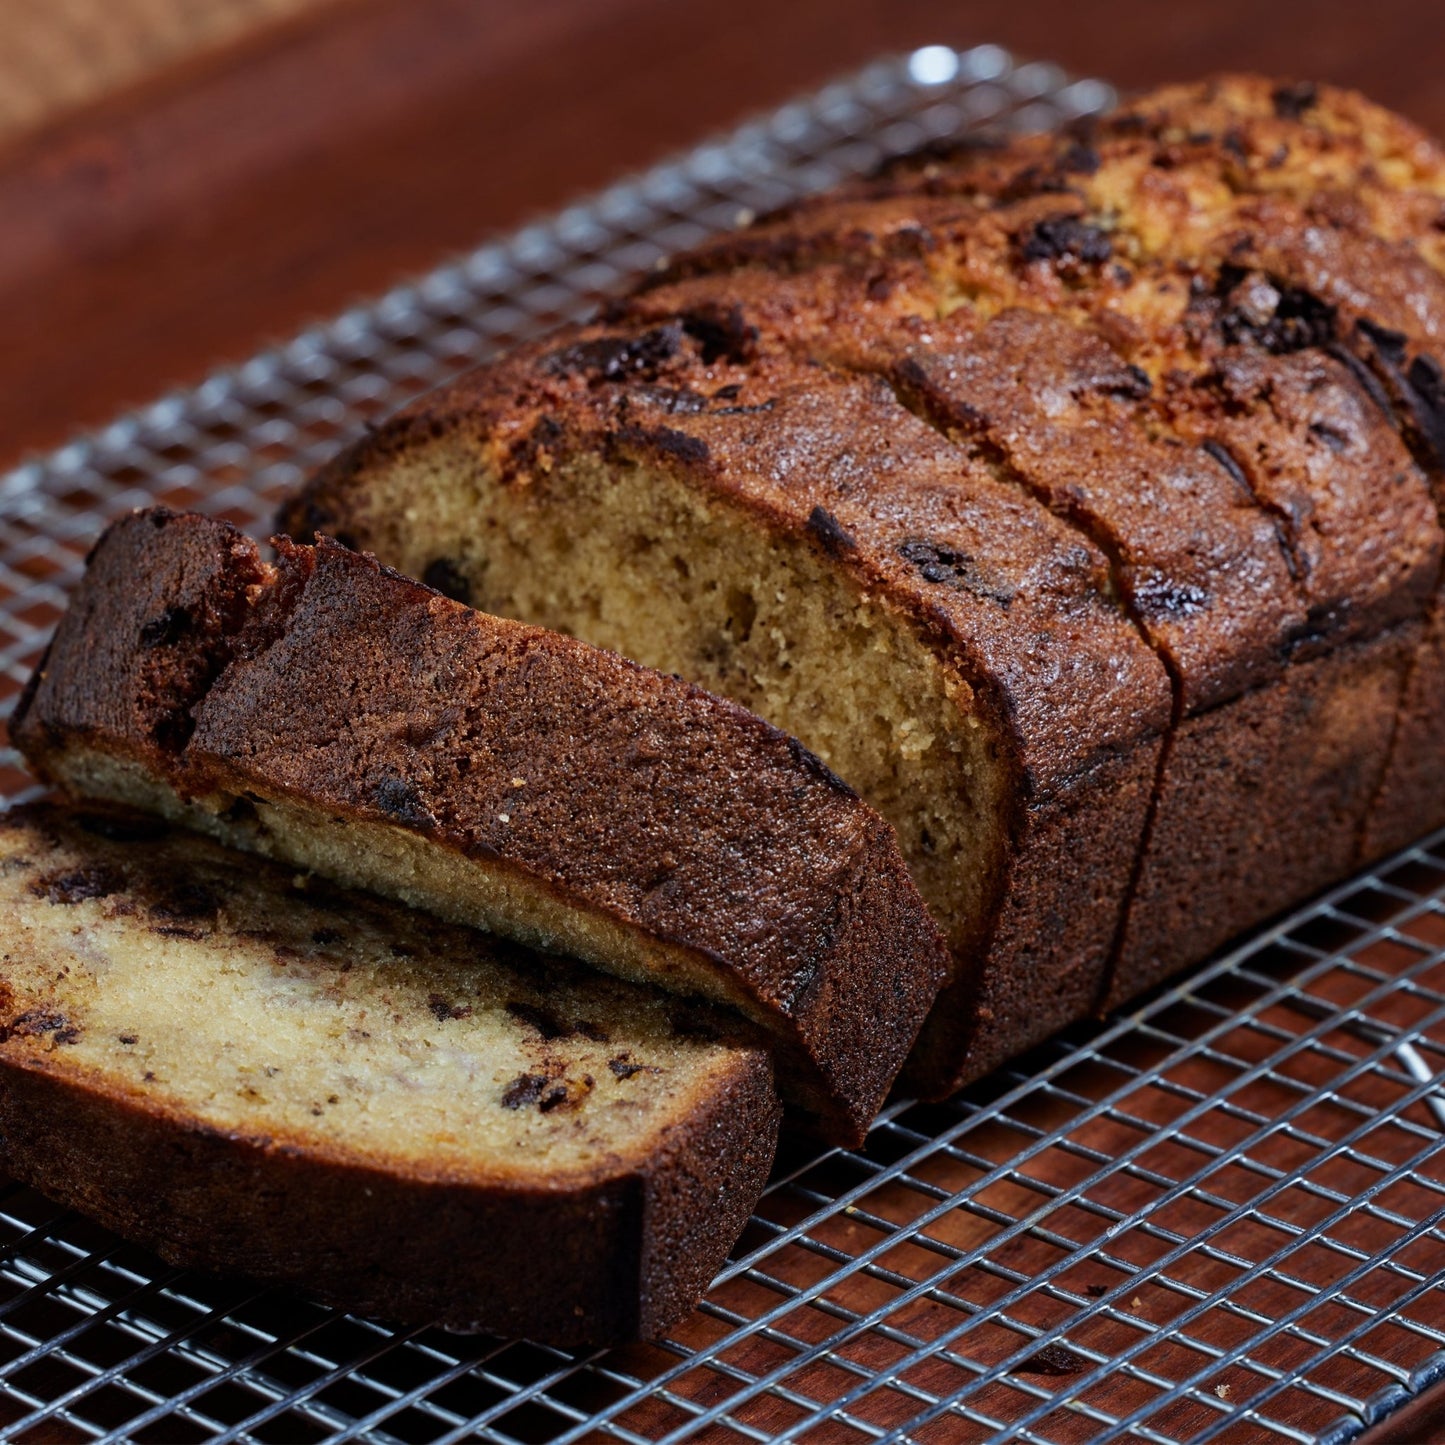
pixel 252 1072
pixel 796 538
pixel 343 718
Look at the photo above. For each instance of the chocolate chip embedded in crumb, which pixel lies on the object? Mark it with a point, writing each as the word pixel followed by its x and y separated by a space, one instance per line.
pixel 543 1020
pixel 1068 240
pixel 830 532
pixel 126 1039
pixel 554 1096
pixel 623 1067
pixel 78 885
pixel 523 1090
pixel 1291 101
pixel 399 799
pixel 1051 1360
pixel 443 1009
pixel 167 629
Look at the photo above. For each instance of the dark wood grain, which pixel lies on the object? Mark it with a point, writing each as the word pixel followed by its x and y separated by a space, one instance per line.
pixel 182 224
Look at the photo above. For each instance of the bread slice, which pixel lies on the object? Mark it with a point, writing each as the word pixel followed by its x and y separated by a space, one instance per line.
pixel 796 538
pixel 1122 329
pixel 345 719
pixel 252 1072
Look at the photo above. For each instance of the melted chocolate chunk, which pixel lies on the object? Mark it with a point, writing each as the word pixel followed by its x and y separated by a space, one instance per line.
pixel 1066 239
pixel 1291 101
pixel 945 565
pixel 97 881
pixel 447 577
pixel 167 629
pixel 721 334
pixel 618 358
pixel 523 1090
pixel 829 531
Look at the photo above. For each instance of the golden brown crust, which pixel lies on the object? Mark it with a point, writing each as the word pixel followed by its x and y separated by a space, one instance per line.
pixel 1204 334
pixel 626 795
pixel 593 1255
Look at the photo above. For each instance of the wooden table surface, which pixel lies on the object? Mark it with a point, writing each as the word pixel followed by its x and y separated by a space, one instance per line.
pixel 234 191
pixel 222 195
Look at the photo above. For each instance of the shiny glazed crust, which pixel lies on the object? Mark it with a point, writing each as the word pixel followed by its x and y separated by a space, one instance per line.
pixel 346 719
pixel 608 1226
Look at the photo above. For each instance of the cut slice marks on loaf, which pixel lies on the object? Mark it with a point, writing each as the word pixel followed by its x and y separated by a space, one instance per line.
pixel 1127 335
pixel 345 719
pixel 256 1074
pixel 796 538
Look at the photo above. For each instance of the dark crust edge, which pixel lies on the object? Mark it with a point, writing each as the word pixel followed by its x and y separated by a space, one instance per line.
pixel 600 1260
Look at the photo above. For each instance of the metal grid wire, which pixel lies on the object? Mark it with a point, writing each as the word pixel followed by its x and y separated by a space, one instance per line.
pixel 1221 1217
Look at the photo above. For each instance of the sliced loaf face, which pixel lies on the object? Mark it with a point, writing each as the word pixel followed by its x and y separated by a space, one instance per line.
pixel 353 722
pixel 795 537
pixel 252 1072
pixel 1125 327
pixel 1233 311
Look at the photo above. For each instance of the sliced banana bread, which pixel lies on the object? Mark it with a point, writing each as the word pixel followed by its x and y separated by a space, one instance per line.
pixel 1151 331
pixel 341 717
pixel 251 1072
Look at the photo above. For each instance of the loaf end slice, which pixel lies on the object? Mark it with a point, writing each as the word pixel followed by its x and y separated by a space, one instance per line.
pixel 252 1073
pixel 345 719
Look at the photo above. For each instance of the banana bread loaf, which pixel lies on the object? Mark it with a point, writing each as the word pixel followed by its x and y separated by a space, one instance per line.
pixel 340 717
pixel 1199 337
pixel 251 1072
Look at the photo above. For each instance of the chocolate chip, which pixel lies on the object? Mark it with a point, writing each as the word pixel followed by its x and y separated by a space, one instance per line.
pixel 97 881
pixel 446 577
pixel 557 1094
pixel 622 1067
pixel 524 1089
pixel 1080 159
pixel 1389 342
pixel 944 565
pixel 830 533
pixel 1051 1360
pixel 1278 317
pixel 399 799
pixel 127 1039
pixel 1158 597
pixel 167 629
pixel 617 358
pixel 721 333
pixel 1066 239
pixel 543 1020
pixel 1291 101
pixel 443 1010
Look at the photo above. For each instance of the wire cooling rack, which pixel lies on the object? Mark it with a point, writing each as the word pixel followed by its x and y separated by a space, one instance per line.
pixel 1217 1218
